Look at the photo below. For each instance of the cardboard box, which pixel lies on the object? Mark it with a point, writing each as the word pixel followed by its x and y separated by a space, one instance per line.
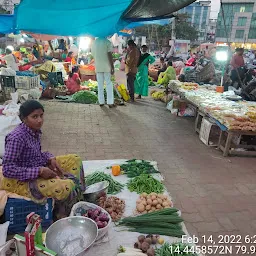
pixel 209 132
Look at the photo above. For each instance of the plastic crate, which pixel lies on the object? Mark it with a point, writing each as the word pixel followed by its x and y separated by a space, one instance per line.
pixel 16 211
pixel 7 81
pixel 27 82
pixel 8 86
pixel 55 78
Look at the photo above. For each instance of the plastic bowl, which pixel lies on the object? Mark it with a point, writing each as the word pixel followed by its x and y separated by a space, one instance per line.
pixel 86 206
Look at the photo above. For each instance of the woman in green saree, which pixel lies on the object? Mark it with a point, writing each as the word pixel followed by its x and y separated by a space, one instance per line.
pixel 141 82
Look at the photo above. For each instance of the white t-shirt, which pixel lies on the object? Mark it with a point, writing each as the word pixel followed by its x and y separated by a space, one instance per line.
pixel 11 62
pixel 100 49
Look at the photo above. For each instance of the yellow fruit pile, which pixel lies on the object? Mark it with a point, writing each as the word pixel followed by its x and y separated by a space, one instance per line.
pixel 157 95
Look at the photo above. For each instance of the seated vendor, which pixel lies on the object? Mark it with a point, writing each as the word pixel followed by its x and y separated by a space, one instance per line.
pixel 74 81
pixel 162 65
pixel 70 58
pixel 29 172
pixel 169 74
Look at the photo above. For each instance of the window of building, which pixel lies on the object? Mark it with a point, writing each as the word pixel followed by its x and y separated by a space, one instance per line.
pixel 242 21
pixel 239 34
pixel 252 31
pixel 221 32
pixel 242 9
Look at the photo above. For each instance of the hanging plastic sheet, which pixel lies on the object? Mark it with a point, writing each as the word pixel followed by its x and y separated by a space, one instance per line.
pixel 143 10
pixel 6 24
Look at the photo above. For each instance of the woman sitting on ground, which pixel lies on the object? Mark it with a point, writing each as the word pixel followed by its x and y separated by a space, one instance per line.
pixel 29 172
pixel 70 58
pixel 74 82
pixel 169 74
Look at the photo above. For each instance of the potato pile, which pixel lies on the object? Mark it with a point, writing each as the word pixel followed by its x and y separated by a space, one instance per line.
pixel 152 202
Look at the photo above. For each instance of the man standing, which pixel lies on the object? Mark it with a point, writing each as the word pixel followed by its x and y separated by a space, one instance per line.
pixel 131 66
pixel 237 63
pixel 102 53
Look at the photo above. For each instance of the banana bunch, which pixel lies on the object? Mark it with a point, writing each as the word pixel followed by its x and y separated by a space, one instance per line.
pixel 157 95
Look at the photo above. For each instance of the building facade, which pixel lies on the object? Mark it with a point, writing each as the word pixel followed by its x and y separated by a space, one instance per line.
pixel 211 30
pixel 240 23
pixel 199 14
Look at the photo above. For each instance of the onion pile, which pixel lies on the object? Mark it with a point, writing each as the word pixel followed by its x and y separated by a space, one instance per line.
pixel 96 215
pixel 152 202
pixel 113 205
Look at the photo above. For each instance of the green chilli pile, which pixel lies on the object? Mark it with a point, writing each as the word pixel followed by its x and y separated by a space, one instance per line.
pixel 145 183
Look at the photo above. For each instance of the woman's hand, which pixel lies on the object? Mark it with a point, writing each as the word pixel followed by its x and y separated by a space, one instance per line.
pixel 53 165
pixel 47 173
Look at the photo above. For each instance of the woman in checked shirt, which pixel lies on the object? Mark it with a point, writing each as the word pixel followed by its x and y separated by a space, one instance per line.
pixel 29 172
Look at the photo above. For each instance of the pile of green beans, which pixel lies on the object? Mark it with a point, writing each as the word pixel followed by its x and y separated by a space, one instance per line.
pixel 145 183
pixel 114 186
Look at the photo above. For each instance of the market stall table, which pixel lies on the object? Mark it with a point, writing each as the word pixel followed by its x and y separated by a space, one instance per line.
pixel 234 118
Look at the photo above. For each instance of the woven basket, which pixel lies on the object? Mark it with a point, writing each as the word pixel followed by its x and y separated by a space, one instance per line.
pixel 87 72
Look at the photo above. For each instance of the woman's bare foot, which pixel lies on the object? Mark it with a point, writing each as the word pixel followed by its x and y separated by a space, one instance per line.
pixel 138 97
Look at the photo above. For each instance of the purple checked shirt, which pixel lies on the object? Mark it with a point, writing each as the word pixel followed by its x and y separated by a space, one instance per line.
pixel 23 156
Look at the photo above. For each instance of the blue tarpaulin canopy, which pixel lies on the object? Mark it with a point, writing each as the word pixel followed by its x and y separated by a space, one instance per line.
pixel 7 24
pixel 87 17
pixel 71 18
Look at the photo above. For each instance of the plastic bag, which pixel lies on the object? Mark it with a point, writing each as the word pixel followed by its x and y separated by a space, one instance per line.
pixel 123 91
pixel 7 124
pixel 7 72
pixel 188 112
pixel 31 94
pixel 3 232
pixel 170 105
pixel 12 108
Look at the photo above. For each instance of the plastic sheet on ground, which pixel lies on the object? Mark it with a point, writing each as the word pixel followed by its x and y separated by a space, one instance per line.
pixel 117 236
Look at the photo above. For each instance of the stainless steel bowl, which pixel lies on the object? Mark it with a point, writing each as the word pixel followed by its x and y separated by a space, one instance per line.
pixel 95 191
pixel 71 236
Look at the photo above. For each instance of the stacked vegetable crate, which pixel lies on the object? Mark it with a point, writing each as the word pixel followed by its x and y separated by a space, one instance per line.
pixel 27 82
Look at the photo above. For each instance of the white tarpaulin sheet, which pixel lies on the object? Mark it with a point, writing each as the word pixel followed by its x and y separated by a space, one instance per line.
pixel 116 235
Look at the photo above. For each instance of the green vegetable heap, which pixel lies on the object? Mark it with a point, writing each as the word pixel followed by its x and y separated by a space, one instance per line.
pixel 135 167
pixel 114 186
pixel 145 183
pixel 85 97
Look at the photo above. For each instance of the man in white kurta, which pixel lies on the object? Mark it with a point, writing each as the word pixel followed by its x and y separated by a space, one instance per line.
pixel 102 53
